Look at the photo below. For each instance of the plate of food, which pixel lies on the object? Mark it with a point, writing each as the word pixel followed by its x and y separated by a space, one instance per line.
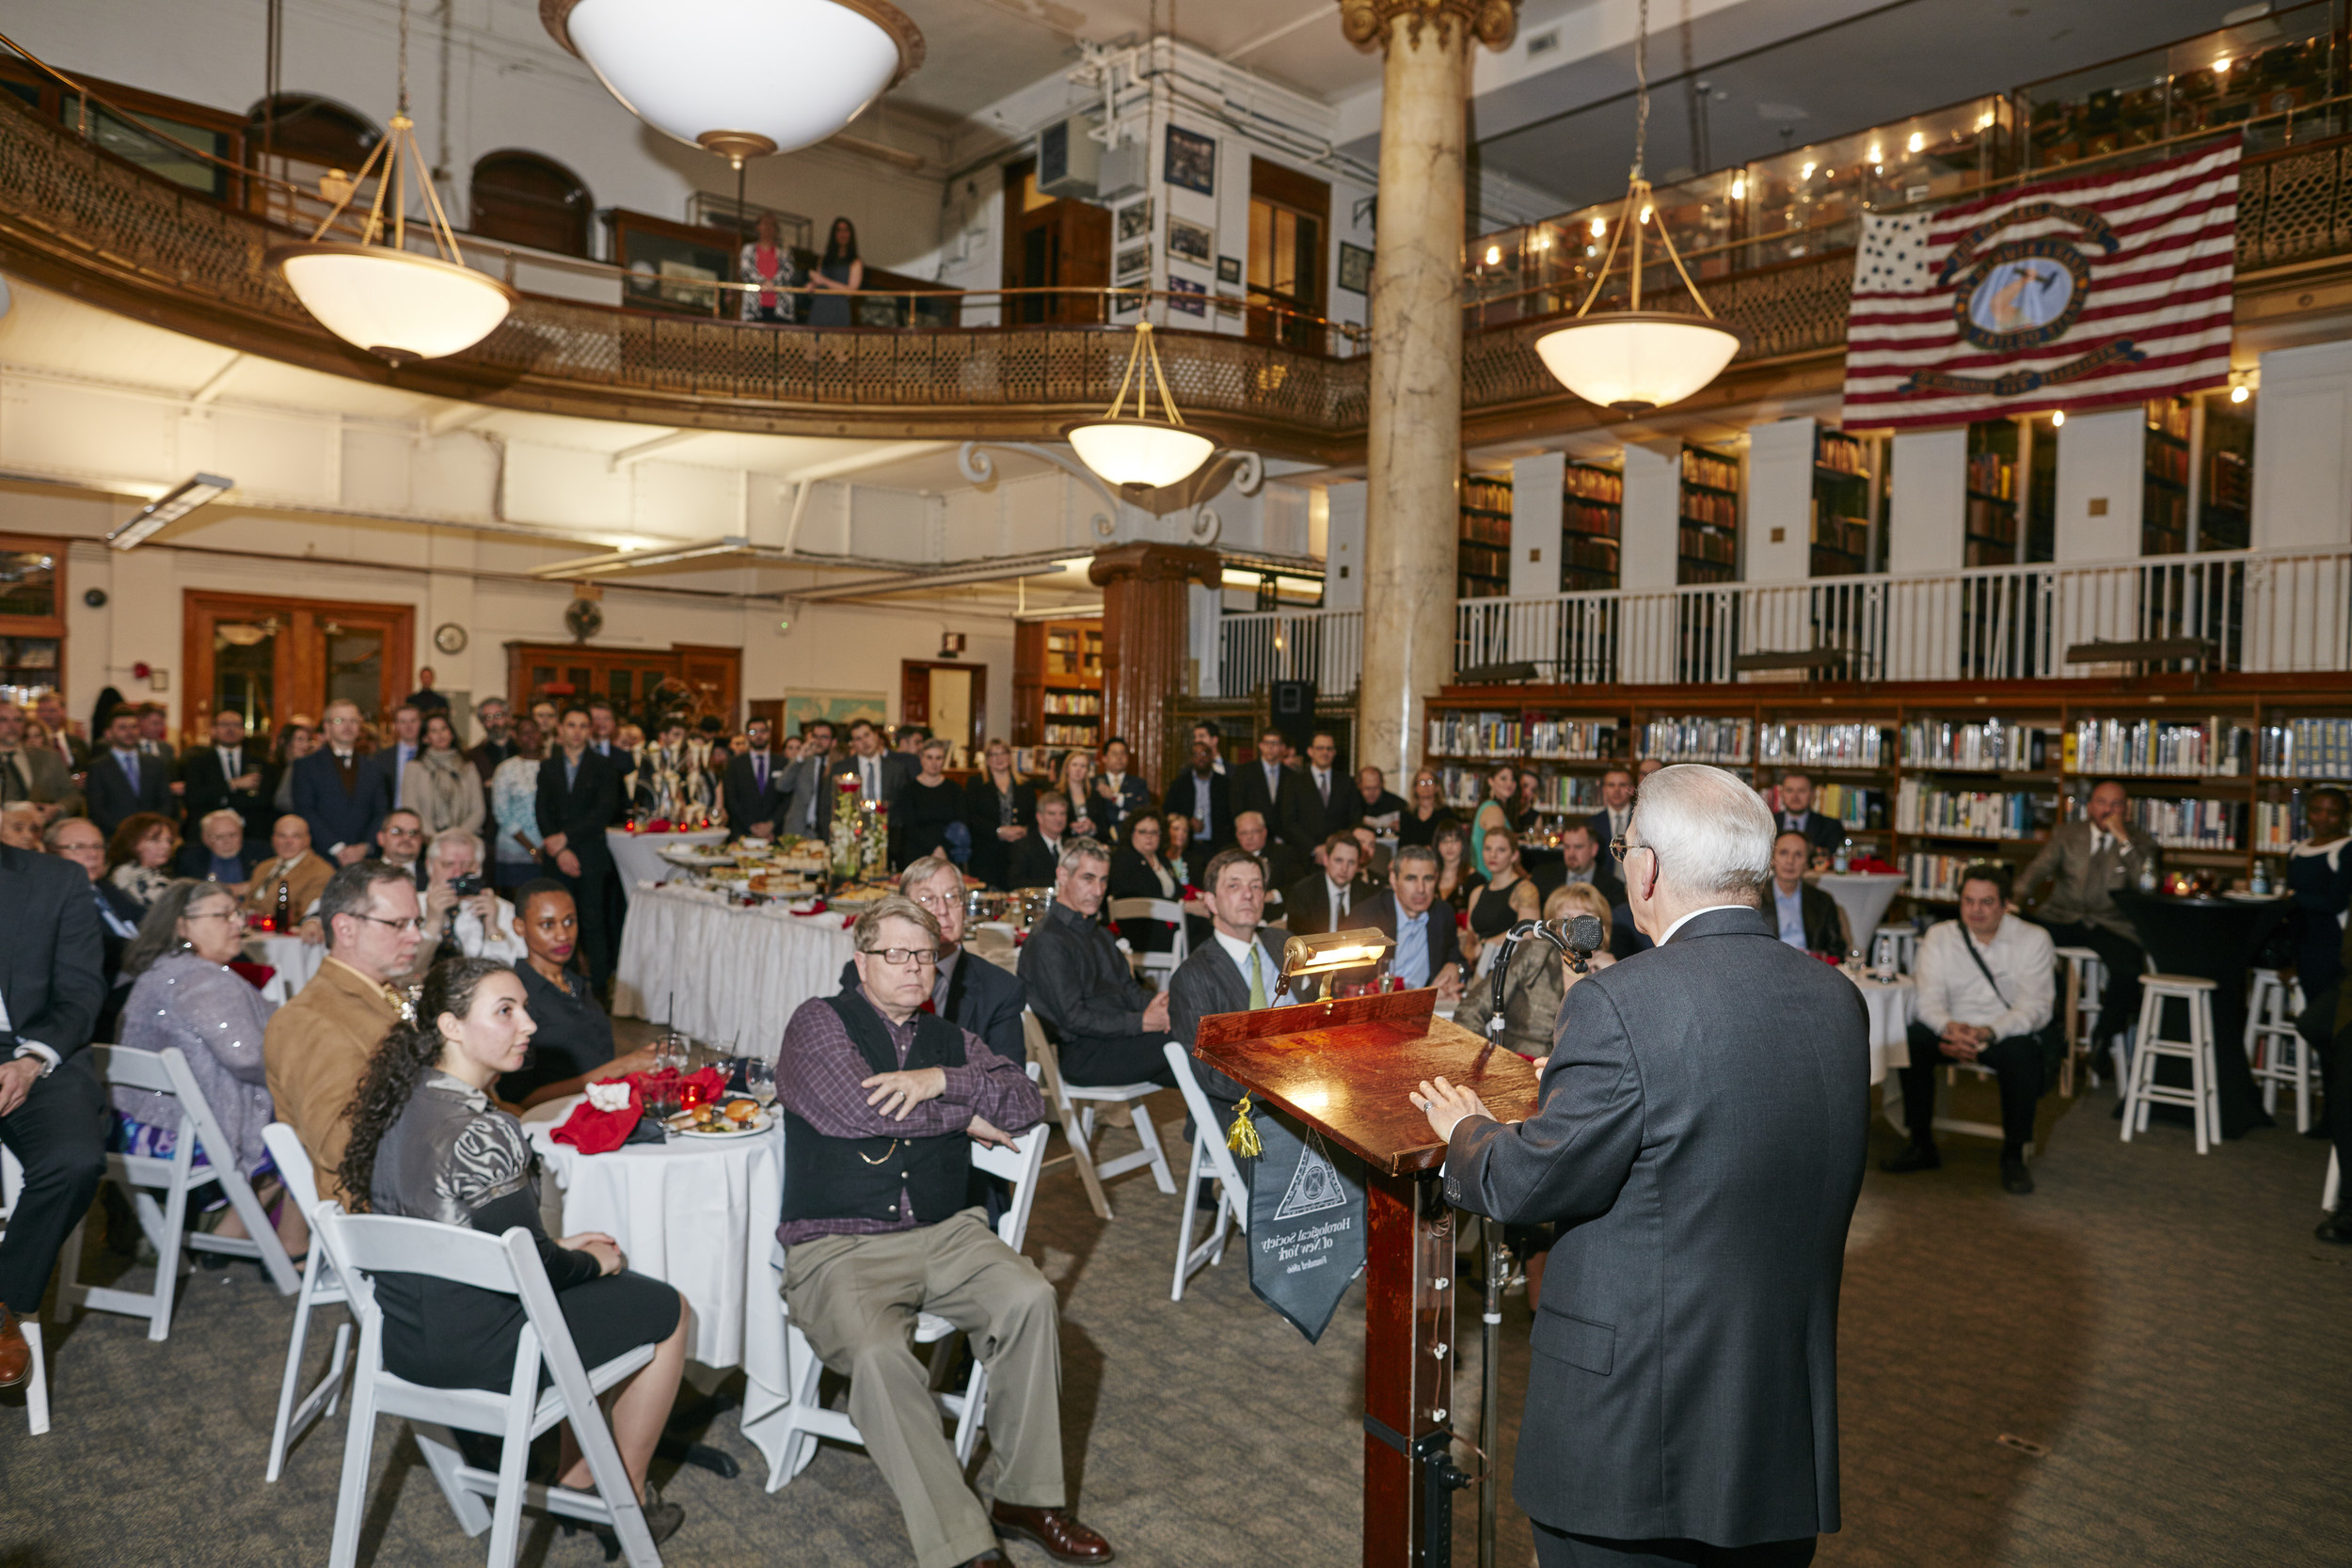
pixel 737 1117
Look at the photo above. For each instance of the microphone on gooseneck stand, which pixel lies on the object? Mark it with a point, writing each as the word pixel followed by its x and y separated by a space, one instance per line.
pixel 1578 938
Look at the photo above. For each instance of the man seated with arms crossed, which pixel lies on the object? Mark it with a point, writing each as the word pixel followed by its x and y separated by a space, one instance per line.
pixel 882 1101
pixel 1108 1027
pixel 317 1046
pixel 1803 915
pixel 1986 994
pixel 1428 949
pixel 303 873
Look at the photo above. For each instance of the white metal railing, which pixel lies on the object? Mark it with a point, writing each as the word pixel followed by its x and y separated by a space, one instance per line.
pixel 1261 646
pixel 2269 612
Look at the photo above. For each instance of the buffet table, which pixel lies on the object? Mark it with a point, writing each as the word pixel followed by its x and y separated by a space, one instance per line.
pixel 638 856
pixel 698 962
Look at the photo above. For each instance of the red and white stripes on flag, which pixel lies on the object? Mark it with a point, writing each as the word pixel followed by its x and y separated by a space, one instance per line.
pixel 2067 293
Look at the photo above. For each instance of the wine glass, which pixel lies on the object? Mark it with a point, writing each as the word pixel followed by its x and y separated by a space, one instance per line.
pixel 760 1080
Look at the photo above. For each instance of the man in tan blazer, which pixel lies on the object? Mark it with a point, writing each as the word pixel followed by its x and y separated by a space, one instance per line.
pixel 305 873
pixel 318 1045
pixel 2087 862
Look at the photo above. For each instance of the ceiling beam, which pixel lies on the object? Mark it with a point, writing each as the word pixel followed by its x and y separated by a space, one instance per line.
pixel 214 383
pixel 859 462
pixel 643 450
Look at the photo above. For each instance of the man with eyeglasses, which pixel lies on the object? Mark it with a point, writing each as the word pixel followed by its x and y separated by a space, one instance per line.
pixel 882 1100
pixel 317 1045
pixel 967 990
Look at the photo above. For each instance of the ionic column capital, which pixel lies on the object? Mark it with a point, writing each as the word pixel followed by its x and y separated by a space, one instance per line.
pixel 1491 22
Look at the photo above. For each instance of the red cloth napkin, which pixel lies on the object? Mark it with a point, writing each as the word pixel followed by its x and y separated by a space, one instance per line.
pixel 712 1082
pixel 815 906
pixel 256 975
pixel 594 1132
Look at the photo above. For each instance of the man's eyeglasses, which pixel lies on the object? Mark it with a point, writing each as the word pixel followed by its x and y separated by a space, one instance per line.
pixel 899 957
pixel 1620 848
pixel 411 924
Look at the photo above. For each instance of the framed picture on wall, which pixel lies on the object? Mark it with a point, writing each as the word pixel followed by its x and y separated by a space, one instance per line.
pixel 1186 295
pixel 1229 269
pixel 1135 220
pixel 837 708
pixel 1354 268
pixel 1191 242
pixel 1191 160
pixel 1134 264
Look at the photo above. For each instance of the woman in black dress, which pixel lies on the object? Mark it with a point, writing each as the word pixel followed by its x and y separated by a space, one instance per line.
pixel 1456 878
pixel 1425 813
pixel 428 1142
pixel 574 1038
pixel 1000 811
pixel 1507 896
pixel 1139 871
pixel 836 276
pixel 927 807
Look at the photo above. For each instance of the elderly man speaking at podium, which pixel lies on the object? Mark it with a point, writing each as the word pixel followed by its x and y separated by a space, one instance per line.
pixel 1699 1138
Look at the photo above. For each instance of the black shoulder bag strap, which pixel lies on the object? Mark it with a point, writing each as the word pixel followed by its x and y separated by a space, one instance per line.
pixel 2050 1036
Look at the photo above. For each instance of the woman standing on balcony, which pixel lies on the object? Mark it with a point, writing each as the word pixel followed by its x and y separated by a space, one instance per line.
pixel 768 262
pixel 839 275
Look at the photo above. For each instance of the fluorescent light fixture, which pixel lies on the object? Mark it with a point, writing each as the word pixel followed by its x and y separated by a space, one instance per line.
pixel 169 507
pixel 626 559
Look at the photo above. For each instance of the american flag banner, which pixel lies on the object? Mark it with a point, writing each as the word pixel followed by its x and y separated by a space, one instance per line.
pixel 2067 293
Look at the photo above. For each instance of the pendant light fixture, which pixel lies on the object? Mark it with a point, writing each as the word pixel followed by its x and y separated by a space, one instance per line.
pixel 747 77
pixel 381 297
pixel 1139 449
pixel 1634 360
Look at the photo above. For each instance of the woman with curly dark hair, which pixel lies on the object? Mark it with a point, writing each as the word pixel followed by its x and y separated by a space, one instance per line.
pixel 427 1142
pixel 138 856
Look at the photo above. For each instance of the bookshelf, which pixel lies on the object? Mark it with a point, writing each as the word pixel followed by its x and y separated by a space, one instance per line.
pixel 2225 519
pixel 1992 519
pixel 1057 683
pixel 1482 553
pixel 1592 524
pixel 1709 545
pixel 1841 504
pixel 2164 486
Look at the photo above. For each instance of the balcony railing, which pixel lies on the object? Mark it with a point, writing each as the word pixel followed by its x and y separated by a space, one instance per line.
pixel 2269 612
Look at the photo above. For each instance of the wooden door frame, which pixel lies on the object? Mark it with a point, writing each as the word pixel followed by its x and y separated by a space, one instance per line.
pixel 520 656
pixel 301 685
pixel 977 741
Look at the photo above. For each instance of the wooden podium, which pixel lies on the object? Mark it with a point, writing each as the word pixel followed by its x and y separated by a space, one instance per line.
pixel 1346 1069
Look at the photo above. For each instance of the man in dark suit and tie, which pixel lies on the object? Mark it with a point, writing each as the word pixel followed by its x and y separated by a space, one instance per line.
pixel 1428 948
pixel 1616 807
pixel 1583 859
pixel 34 773
pixel 1237 970
pixel 1326 900
pixel 122 778
pixel 882 775
pixel 808 784
pixel 1284 865
pixel 232 775
pixel 1821 831
pixel 1325 802
pixel 967 990
pixel 156 732
pixel 1118 794
pixel 386 770
pixel 1268 785
pixel 1203 793
pixel 1698 1139
pixel 53 1112
pixel 580 796
pixel 753 789
pixel 337 793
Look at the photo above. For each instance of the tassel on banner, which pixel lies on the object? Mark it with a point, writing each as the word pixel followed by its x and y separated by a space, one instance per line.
pixel 1242 1137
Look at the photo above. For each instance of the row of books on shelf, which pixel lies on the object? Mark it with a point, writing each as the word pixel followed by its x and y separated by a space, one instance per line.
pixel 1698 544
pixel 1704 468
pixel 2279 825
pixel 1860 809
pixel 1994 522
pixel 1921 808
pixel 1846 536
pixel 1838 453
pixel 1936 877
pixel 1602 522
pixel 1069 735
pixel 1593 555
pixel 2215 748
pixel 2189 824
pixel 1510 735
pixel 1556 794
pixel 1592 485
pixel 2168 464
pixel 1491 561
pixel 2169 418
pixel 1088 702
pixel 1483 529
pixel 2307 749
pixel 1992 475
pixel 1988 746
pixel 1704 507
pixel 1715 740
pixel 1486 492
pixel 1782 745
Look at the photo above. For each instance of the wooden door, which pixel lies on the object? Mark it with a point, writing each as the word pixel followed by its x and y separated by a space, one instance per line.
pixel 916 707
pixel 1052 243
pixel 274 659
pixel 642 684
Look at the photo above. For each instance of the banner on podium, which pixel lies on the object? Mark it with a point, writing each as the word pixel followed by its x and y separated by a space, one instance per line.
pixel 1307 1224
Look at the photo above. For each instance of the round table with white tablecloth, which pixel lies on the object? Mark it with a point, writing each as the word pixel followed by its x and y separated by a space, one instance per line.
pixel 700 1214
pixel 638 856
pixel 697 960
pixel 294 959
pixel 1864 896
pixel 1892 1005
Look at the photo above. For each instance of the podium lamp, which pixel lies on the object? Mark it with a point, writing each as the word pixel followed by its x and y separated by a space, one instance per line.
pixel 1345 1067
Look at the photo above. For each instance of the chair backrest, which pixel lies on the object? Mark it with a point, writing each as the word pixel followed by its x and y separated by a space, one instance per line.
pixel 1203 1114
pixel 1019 1166
pixel 12 1181
pixel 389 1243
pixel 1165 911
pixel 293 1165
pixel 118 1064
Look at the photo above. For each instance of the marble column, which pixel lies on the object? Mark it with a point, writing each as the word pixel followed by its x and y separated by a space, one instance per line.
pixel 1414 449
pixel 1144 646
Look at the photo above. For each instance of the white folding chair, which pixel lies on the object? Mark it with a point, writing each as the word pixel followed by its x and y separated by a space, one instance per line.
pixel 808 1419
pixel 321 1287
pixel 361 1246
pixel 1075 1103
pixel 1212 1161
pixel 2329 1190
pixel 1155 967
pixel 141 1177
pixel 36 1384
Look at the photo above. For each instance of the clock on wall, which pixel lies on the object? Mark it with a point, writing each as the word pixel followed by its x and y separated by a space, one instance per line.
pixel 449 637
pixel 584 619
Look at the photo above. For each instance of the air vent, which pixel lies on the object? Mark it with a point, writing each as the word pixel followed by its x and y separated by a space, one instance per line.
pixel 1545 42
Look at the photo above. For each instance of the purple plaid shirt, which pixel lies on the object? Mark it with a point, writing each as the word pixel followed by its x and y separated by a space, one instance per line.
pixel 818 1073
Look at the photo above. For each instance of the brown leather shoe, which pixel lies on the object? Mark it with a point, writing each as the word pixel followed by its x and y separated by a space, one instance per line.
pixel 1056 1529
pixel 16 1356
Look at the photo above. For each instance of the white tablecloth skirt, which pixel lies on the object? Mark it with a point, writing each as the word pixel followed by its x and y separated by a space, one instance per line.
pixel 700 1216
pixel 638 856
pixel 726 974
pixel 294 959
pixel 1892 1004
pixel 1864 896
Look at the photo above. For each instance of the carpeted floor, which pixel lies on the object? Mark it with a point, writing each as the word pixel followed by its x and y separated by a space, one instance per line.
pixel 2142 1364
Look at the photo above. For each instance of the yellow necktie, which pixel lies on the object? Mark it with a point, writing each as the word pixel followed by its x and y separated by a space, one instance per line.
pixel 1257 980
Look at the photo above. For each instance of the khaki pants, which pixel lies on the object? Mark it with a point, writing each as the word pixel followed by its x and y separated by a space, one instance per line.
pixel 857 1297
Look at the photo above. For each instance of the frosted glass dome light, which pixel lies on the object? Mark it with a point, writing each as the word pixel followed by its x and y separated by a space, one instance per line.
pixel 742 78
pixel 394 304
pixel 1139 452
pixel 1636 360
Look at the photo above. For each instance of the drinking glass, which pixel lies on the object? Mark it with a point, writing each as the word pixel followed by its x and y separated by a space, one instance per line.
pixel 759 1078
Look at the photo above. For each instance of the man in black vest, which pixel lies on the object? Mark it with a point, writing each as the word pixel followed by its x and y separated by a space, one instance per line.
pixel 882 1101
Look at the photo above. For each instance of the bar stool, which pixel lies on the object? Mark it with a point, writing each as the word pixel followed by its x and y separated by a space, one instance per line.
pixel 2142 1090
pixel 2274 1046
pixel 1892 947
pixel 2086 980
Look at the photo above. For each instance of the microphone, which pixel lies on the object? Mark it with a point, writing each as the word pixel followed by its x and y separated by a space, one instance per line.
pixel 1576 939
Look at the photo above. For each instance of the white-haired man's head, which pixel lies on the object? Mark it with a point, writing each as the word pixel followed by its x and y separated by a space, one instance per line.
pixel 1698 836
